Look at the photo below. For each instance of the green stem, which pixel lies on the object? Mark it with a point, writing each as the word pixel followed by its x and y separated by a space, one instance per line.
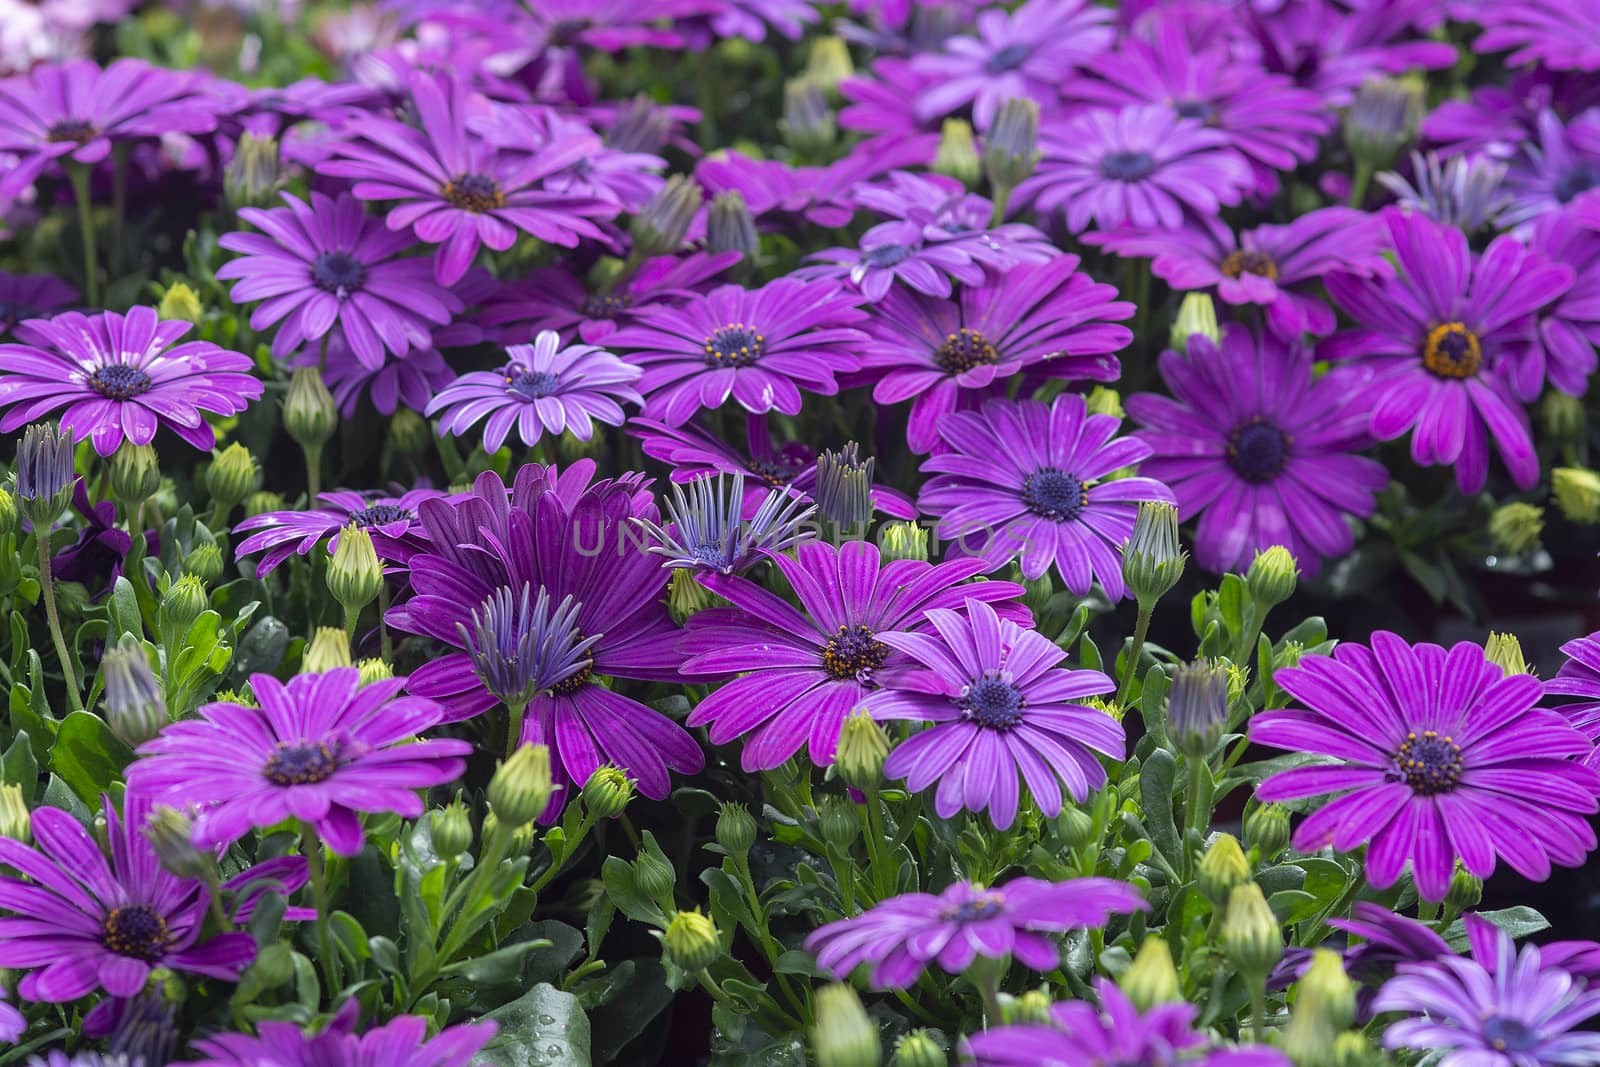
pixel 311 846
pixel 1002 197
pixel 571 848
pixel 1197 815
pixel 514 715
pixel 1140 628
pixel 1258 1010
pixel 1254 619
pixel 877 854
pixel 79 175
pixel 313 473
pixel 769 944
pixel 1358 184
pixel 985 974
pixel 47 586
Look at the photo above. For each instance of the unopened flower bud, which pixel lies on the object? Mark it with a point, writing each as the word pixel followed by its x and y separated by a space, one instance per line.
pixel 1384 116
pixel 730 227
pixel 690 941
pixel 8 512
pixel 843 490
pixel 135 474
pixel 1103 400
pixel 1152 979
pixel 262 501
pixel 918 1049
pixel 687 597
pixel 1223 868
pixel 252 177
pixel 520 837
pixel 1271 577
pixel 452 829
pixel 1033 1006
pixel 181 604
pixel 659 227
pixel 1037 592
pixel 903 540
pixel 355 576
pixel 15 821
pixel 309 414
pixel 374 670
pixel 171 834
pixel 1466 890
pixel 1505 652
pixel 1152 561
pixel 1197 708
pixel 736 829
pixel 1326 991
pixel 655 878
pixel 205 562
pixel 1266 830
pixel 1563 415
pixel 521 786
pixel 843 1035
pixel 1577 493
pixel 957 156
pixel 1352 1049
pixel 807 125
pixel 1197 314
pixel 863 746
pixel 134 707
pixel 231 477
pixel 45 474
pixel 1252 939
pixel 1515 528
pixel 828 63
pixel 181 303
pixel 409 433
pixel 1011 145
pixel 328 649
pixel 607 793
pixel 837 821
pixel 1075 827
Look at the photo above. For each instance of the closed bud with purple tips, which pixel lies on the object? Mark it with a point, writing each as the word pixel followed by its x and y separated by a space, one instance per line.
pixel 44 474
pixel 135 708
pixel 844 487
pixel 807 124
pixel 1011 146
pixel 170 833
pixel 1152 562
pixel 1384 117
pixel 252 177
pixel 659 227
pixel 730 227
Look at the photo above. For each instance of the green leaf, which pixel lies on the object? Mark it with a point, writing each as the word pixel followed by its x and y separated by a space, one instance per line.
pixel 1294 905
pixel 1155 795
pixel 57 794
pixel 635 1001
pixel 123 606
pixel 19 765
pixel 617 875
pixel 1232 597
pixel 797 961
pixel 542 1028
pixel 1519 922
pixel 88 756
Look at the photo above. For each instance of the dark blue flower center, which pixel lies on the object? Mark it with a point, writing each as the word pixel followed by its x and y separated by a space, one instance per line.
pixel 1054 494
pixel 118 381
pixel 1510 1035
pixel 136 931
pixel 983 906
pixel 885 255
pixel 577 679
pixel 76 131
pixel 853 652
pixel 1429 763
pixel 338 272
pixel 476 193
pixel 1010 57
pixel 1128 166
pixel 1257 450
pixel 605 307
pixel 734 345
pixel 1200 110
pixel 380 515
pixel 531 383
pixel 775 473
pixel 993 703
pixel 964 350
pixel 1452 351
pixel 301 764
pixel 1579 179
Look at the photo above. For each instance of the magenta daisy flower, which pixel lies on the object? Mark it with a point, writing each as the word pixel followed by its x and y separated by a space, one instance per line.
pixel 31 296
pixel 545 388
pixel 901 936
pixel 1260 451
pixel 1114 1033
pixel 1439 337
pixel 1140 166
pixel 938 353
pixel 401 1042
pixel 121 376
pixel 1331 48
pixel 1000 704
pixel 1569 327
pixel 1441 756
pixel 1553 168
pixel 328 266
pixel 759 346
pixel 81 922
pixel 802 670
pixel 411 379
pixel 456 189
pixel 1556 34
pixel 391 521
pixel 1023 479
pixel 1579 677
pixel 321 749
pixel 1278 268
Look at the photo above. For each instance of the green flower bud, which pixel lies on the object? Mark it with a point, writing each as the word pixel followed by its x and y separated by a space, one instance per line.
pixel 45 474
pixel 374 670
pixel 918 1049
pixel 274 965
pixel 262 501
pixel 1466 890
pixel 451 829
pixel 1384 116
pixel 1266 830
pixel 171 834
pixel 521 787
pixel 828 62
pixel 1152 561
pixel 135 474
pixel 1075 827
pixel 1223 868
pixel 328 649
pixel 1011 145
pixel 687 597
pixel 836 818
pixel 204 561
pixel 808 124
pixel 1271 577
pixel 736 829
pixel 1505 652
pixel 903 540
pixel 957 156
pixel 843 1035
pixel 15 821
pixel 242 697
pixel 134 707
pixel 8 513
pixel 1033 1006
pixel 690 941
pixel 409 433
pixel 1326 991
pixel 180 302
pixel 1152 979
pixel 730 227
pixel 863 746
pixel 1252 940
pixel 655 878
pixel 1197 708
pixel 309 414
pixel 181 604
pixel 520 836
pixel 1036 593
pixel 1515 528
pixel 1105 401
pixel 1352 1049
pixel 1197 314
pixel 659 227
pixel 354 575
pixel 607 792
pixel 1563 415
pixel 231 477
pixel 1577 493
pixel 251 179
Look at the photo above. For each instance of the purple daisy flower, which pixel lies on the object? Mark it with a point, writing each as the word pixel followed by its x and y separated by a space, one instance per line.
pixel 749 19
pixel 411 379
pixel 1277 268
pixel 1547 176
pixel 1511 1010
pixel 96 557
pixel 883 105
pixel 825 196
pixel 328 266
pixel 759 346
pixel 693 452
pixel 121 376
pixel 86 923
pixel 901 936
pixel 1579 677
pixel 1023 478
pixel 320 749
pixel 397 1043
pixel 940 353
pixel 545 388
pixel 1000 704
pixel 802 670
pixel 13 1024
pixel 1025 53
pixel 555 537
pixel 391 521
pixel 1557 34
pixel 31 296
pixel 456 189
pixel 626 179
pixel 1114 1033
pixel 1438 337
pixel 74 112
pixel 1569 328
pixel 1259 449
pixel 1139 166
pixel 1331 48
pixel 1441 756
pixel 1379 940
